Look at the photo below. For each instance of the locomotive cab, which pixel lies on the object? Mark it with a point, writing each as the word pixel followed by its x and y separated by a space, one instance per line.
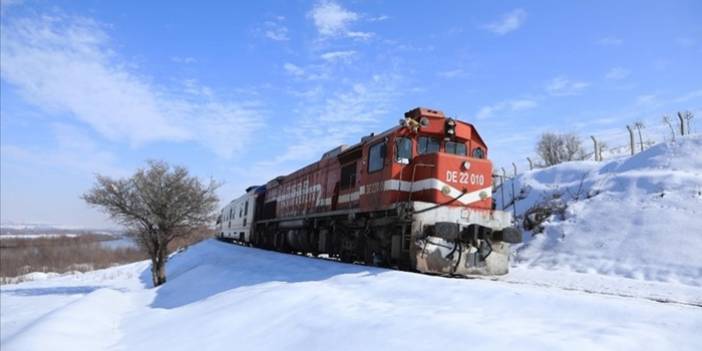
pixel 438 168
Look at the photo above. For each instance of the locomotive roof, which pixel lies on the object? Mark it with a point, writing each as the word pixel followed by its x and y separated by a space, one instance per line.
pixel 345 151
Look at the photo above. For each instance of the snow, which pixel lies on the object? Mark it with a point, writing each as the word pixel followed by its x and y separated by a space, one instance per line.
pixel 637 217
pixel 621 271
pixel 226 296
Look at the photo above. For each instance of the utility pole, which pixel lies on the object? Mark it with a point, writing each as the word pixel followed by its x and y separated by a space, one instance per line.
pixel 631 139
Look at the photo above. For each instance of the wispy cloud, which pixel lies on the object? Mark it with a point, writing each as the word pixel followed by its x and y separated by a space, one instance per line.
pixel 7 3
pixel 562 86
pixel 293 69
pixel 453 73
pixel 73 151
pixel 328 120
pixel 334 56
pixel 617 73
pixel 333 20
pixel 685 42
pixel 186 60
pixel 310 72
pixel 689 96
pixel 610 41
pixel 66 65
pixel 506 106
pixel 378 18
pixel 509 22
pixel 275 29
pixel 646 99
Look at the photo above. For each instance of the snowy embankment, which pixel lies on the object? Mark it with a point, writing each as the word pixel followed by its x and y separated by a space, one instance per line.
pixel 637 217
pixel 222 296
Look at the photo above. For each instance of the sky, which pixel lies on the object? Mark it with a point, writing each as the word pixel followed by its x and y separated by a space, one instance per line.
pixel 243 91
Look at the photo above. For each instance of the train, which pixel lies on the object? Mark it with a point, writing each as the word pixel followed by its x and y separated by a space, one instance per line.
pixel 415 197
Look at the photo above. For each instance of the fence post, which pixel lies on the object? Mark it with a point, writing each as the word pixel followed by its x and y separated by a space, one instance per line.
pixel 666 120
pixel 688 117
pixel 639 125
pixel 631 139
pixel 502 187
pixel 515 169
pixel 514 198
pixel 531 164
pixel 682 123
pixel 597 150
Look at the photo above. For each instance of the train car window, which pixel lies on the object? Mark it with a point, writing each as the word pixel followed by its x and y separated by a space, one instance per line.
pixel 478 153
pixel 403 148
pixel 456 148
pixel 427 145
pixel 376 157
pixel 348 176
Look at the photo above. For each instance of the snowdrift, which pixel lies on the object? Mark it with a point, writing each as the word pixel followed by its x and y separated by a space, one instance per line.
pixel 638 217
pixel 223 296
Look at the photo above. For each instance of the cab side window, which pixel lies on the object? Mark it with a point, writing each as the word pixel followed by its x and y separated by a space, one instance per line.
pixel 376 157
pixel 478 153
pixel 427 145
pixel 348 176
pixel 403 148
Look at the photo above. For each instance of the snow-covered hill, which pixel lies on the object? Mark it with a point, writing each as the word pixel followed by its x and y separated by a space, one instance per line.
pixel 222 296
pixel 637 217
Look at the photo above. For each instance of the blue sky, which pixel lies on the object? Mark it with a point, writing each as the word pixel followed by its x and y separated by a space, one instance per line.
pixel 244 91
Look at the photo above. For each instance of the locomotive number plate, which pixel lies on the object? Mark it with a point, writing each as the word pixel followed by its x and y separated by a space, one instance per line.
pixel 464 178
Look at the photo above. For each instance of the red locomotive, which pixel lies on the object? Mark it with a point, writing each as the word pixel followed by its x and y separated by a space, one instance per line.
pixel 417 196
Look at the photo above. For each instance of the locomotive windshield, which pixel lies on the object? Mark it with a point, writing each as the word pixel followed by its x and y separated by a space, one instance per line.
pixel 427 145
pixel 455 148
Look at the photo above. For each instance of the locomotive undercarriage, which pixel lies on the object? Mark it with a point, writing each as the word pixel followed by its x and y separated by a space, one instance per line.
pixel 411 236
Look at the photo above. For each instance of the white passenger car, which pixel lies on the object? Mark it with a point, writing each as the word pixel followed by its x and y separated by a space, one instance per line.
pixel 235 221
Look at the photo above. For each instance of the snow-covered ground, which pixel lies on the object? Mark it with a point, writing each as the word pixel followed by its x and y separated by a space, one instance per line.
pixel 222 296
pixel 637 217
pixel 620 271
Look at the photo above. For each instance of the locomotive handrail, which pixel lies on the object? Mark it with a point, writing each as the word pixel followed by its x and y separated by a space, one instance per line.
pixel 414 171
pixel 441 204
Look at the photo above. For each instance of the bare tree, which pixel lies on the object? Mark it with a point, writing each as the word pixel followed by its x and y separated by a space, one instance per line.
pixel 556 148
pixel 158 204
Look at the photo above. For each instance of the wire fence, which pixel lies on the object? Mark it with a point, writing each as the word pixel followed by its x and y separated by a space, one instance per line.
pixel 606 145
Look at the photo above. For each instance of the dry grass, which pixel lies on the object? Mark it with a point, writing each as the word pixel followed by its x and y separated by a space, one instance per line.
pixel 60 254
